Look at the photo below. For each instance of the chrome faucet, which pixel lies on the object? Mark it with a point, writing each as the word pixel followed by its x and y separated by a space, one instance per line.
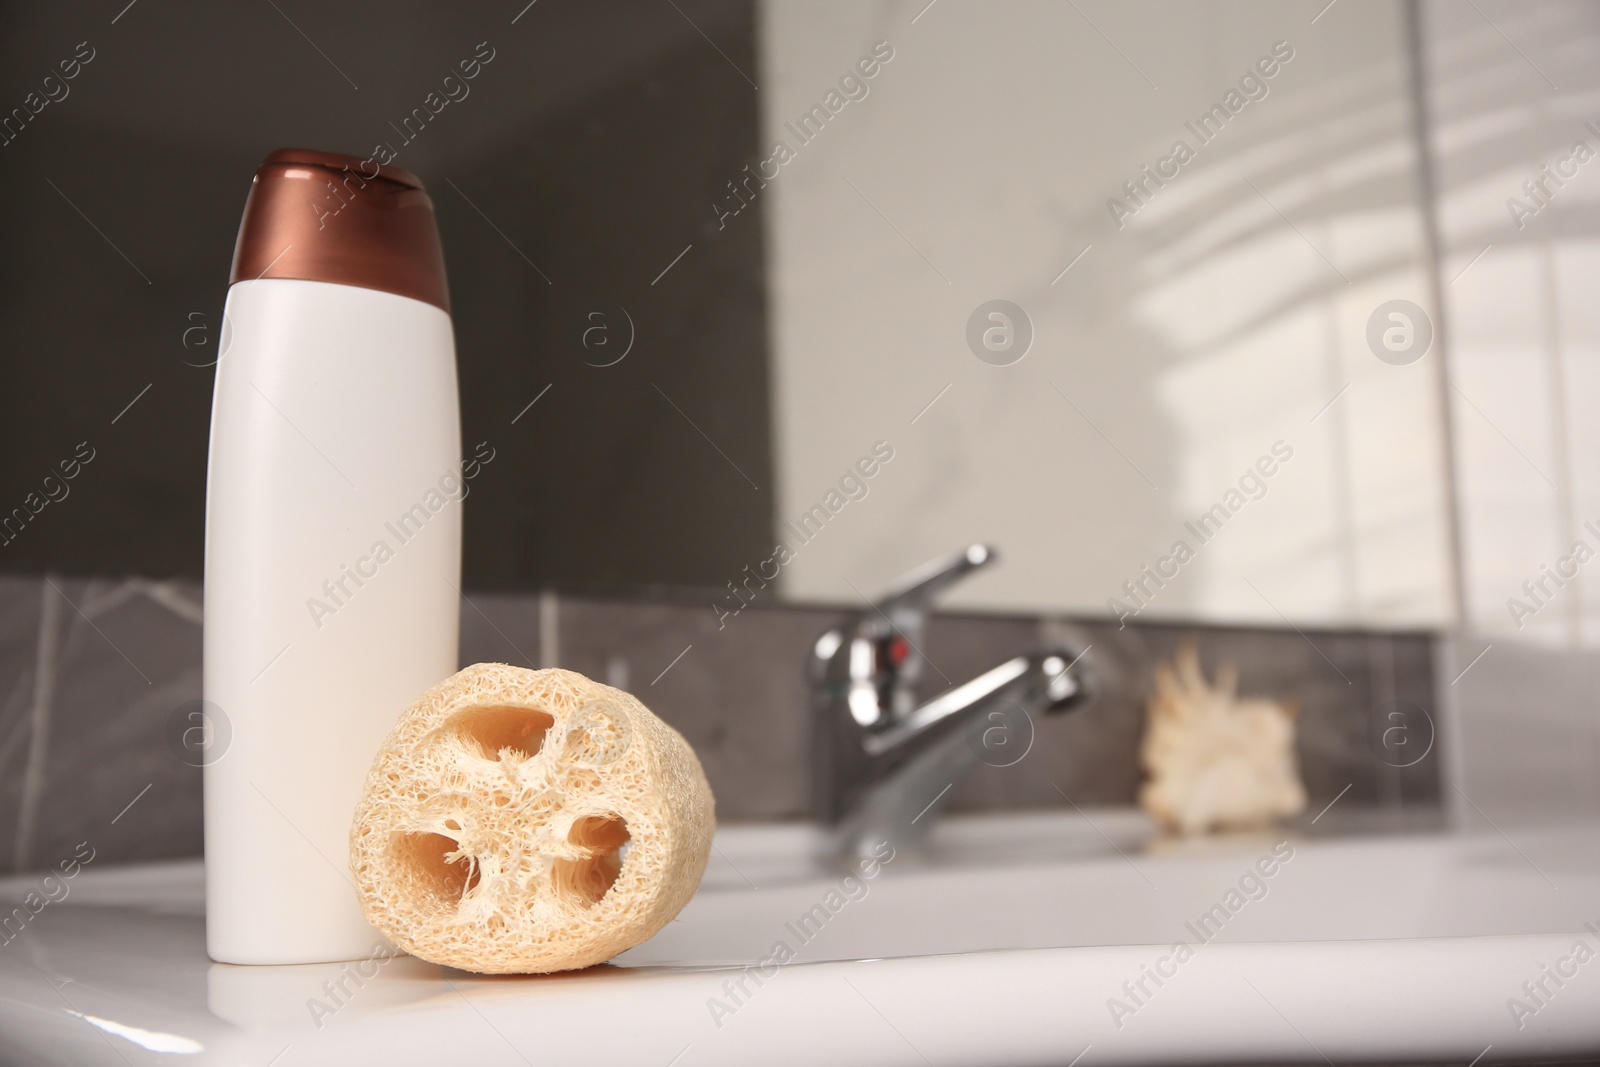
pixel 883 763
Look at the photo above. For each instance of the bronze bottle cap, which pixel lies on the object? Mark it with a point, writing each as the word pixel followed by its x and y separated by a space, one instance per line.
pixel 325 217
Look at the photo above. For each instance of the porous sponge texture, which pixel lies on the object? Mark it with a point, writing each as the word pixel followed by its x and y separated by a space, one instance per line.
pixel 521 821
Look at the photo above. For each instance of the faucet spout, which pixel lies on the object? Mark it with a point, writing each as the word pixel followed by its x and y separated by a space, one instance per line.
pixel 1039 679
pixel 882 761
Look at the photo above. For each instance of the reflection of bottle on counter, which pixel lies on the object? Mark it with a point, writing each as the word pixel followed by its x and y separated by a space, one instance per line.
pixel 333 539
pixel 299 1000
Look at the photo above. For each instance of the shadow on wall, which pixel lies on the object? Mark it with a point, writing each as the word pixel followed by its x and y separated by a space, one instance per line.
pixel 1517 140
pixel 1325 186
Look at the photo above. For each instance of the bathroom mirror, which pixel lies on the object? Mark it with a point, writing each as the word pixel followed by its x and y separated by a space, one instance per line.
pixel 1105 275
pixel 805 291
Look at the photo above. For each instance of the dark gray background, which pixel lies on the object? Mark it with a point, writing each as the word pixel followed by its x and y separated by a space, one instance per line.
pixel 596 142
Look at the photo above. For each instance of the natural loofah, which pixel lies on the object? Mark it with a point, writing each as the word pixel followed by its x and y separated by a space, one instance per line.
pixel 1216 760
pixel 523 821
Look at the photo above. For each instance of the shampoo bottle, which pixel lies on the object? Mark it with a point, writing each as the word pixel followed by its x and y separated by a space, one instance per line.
pixel 333 540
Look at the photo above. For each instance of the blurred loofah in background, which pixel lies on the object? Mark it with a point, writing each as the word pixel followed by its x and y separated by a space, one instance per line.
pixel 1215 760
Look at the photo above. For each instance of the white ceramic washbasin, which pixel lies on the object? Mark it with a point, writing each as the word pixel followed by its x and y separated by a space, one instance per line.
pixel 1034 939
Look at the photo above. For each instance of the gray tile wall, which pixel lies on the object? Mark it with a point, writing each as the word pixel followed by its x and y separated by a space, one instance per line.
pixel 92 671
pixel 1528 732
pixel 739 695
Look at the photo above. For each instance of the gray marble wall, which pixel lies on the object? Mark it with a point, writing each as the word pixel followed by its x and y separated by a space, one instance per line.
pixel 92 672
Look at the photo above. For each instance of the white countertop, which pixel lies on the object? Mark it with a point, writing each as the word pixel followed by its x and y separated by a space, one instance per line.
pixel 1022 939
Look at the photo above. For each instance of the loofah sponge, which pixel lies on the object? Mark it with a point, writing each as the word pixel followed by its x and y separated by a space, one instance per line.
pixel 1216 760
pixel 523 821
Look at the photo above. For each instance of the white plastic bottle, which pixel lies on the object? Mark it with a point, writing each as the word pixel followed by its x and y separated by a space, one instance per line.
pixel 333 540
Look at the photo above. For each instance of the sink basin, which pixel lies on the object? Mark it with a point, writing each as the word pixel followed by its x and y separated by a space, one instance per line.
pixel 1017 939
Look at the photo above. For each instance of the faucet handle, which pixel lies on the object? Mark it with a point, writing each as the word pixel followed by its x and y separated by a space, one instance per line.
pixel 907 600
pixel 874 658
